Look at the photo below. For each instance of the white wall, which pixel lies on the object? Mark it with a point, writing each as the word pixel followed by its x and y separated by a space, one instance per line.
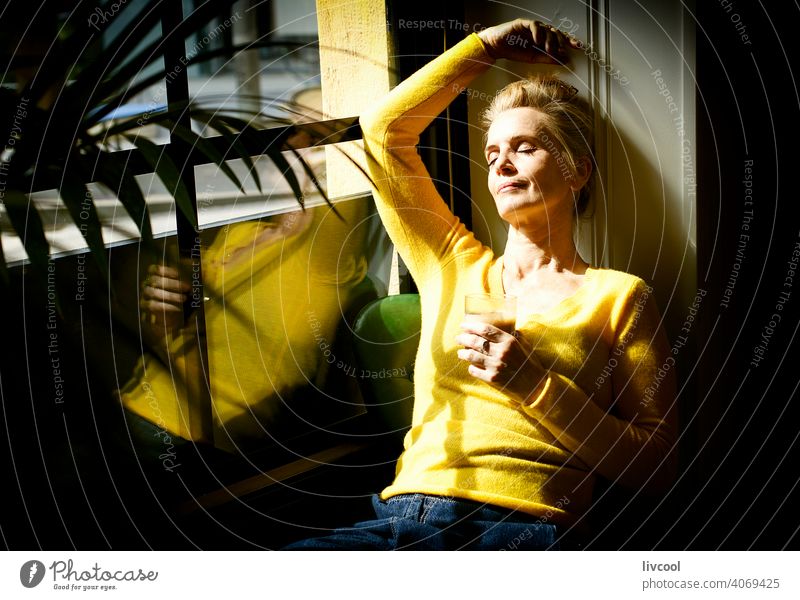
pixel 645 205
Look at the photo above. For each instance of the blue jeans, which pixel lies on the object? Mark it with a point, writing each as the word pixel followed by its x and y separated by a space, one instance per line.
pixel 422 522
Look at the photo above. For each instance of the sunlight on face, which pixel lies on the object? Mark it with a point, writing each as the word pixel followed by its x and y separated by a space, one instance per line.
pixel 528 177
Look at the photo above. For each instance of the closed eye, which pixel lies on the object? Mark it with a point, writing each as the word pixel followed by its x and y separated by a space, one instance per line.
pixel 524 148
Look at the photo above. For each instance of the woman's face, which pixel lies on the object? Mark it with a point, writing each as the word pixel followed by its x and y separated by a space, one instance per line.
pixel 528 176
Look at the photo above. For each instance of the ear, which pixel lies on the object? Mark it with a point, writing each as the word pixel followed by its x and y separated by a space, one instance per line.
pixel 583 168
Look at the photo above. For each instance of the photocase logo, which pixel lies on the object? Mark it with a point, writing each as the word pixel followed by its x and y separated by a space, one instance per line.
pixel 31 573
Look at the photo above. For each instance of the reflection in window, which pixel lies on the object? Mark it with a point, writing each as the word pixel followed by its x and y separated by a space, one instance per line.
pixel 280 293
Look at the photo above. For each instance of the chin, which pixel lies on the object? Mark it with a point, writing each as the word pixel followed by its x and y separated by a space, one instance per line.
pixel 513 220
pixel 516 212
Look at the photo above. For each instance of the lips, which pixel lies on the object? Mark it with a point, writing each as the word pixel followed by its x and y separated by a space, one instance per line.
pixel 510 185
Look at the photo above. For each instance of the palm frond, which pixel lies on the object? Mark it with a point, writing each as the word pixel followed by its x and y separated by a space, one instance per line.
pixel 81 206
pixel 206 148
pixel 121 182
pixel 232 138
pixel 163 166
pixel 28 225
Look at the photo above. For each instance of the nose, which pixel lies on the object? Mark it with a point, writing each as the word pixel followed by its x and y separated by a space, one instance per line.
pixel 503 164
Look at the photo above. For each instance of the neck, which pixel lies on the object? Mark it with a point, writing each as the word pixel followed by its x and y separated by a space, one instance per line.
pixel 530 251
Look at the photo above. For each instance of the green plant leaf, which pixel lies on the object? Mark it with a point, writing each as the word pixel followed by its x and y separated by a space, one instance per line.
pixel 122 183
pixel 80 204
pixel 313 177
pixel 165 168
pixel 245 130
pixel 233 140
pixel 286 170
pixel 27 223
pixel 273 151
pixel 203 145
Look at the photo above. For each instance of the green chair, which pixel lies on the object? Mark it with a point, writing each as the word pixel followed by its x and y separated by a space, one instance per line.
pixel 386 337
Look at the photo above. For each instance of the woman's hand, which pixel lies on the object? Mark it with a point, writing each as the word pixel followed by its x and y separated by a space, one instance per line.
pixel 528 41
pixel 162 299
pixel 501 359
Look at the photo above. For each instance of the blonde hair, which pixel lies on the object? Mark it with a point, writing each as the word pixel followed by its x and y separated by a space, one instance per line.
pixel 568 122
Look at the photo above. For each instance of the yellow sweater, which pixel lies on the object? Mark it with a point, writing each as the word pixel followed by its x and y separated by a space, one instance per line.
pixel 607 406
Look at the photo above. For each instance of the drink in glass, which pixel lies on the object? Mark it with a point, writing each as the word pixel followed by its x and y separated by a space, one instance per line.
pixel 495 309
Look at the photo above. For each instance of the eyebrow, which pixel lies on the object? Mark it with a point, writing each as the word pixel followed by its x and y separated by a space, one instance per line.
pixel 512 140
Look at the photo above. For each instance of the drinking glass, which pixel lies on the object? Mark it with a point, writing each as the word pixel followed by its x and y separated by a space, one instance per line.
pixel 495 309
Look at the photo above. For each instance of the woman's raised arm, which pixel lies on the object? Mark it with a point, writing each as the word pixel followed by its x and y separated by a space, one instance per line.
pixel 418 221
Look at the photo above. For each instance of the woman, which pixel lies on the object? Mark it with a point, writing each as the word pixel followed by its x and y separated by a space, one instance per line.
pixel 510 430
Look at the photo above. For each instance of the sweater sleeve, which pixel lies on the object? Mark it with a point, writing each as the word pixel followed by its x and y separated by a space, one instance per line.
pixel 416 218
pixel 634 441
